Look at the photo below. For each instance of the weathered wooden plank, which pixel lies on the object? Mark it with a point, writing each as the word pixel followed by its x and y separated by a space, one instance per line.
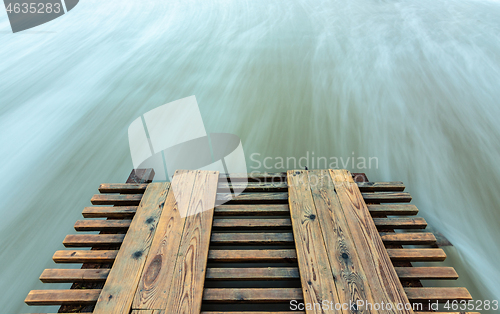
pixel 252 238
pixel 422 294
pixel 74 275
pixel 415 238
pixel 426 273
pixel 116 199
pixel 117 294
pixel 392 209
pixel 85 256
pixel 253 198
pixel 400 223
pixel 264 223
pixel 350 278
pixel 268 273
pixel 123 188
pixel 315 271
pixel 383 280
pixel 92 240
pixel 254 209
pixel 141 176
pixel 155 281
pixel 254 177
pixel 102 225
pixel 256 295
pixel 58 297
pixel 380 186
pixel 189 275
pixel 417 255
pixel 225 187
pixel 109 212
pixel 387 197
pixel 252 255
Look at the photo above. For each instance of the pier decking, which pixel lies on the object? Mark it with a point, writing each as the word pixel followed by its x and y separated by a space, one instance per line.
pixel 305 235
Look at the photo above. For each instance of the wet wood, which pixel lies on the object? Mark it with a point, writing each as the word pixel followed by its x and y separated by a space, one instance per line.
pixel 116 199
pixel 316 274
pixel 58 297
pixel 422 294
pixel 426 273
pixel 415 238
pixel 93 240
pixel 85 256
pixel 109 212
pixel 257 295
pixel 189 274
pixel 117 294
pixel 252 255
pixel 417 255
pixel 258 210
pixel 375 260
pixel 156 280
pixel 252 238
pixel 268 273
pixel 73 275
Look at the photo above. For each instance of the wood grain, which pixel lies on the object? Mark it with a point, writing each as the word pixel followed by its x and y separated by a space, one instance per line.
pixel 116 199
pixel 437 294
pixel 117 294
pixel 426 273
pixel 58 297
pixel 252 238
pixel 254 295
pixel 375 260
pixel 267 273
pixel 254 209
pixel 155 281
pixel 93 240
pixel 252 223
pixel 252 255
pixel 315 271
pixel 189 274
pixel 85 256
pixel 73 275
pixel 109 212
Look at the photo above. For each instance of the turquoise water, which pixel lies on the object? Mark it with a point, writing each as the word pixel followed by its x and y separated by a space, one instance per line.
pixel 413 83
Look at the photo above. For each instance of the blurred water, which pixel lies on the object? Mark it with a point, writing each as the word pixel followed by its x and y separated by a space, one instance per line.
pixel 414 83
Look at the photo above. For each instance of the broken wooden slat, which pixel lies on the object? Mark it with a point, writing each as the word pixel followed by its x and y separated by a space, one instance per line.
pixel 117 294
pixel 426 273
pixel 189 273
pixel 417 255
pixel 252 238
pixel 380 186
pixel 85 256
pixel 415 238
pixel 58 297
pixel 102 225
pixel 387 197
pixel 252 255
pixel 422 294
pixel 315 272
pixel 350 278
pixel 264 223
pixel 156 279
pixel 109 212
pixel 392 209
pixel 73 275
pixel 123 188
pixel 92 240
pixel 260 210
pixel 400 223
pixel 268 273
pixel 375 260
pixel 257 295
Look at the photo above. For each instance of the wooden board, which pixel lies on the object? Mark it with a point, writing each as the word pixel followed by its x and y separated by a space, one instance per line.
pixel 156 280
pixel 375 260
pixel 120 286
pixel 315 271
pixel 189 274
pixel 255 295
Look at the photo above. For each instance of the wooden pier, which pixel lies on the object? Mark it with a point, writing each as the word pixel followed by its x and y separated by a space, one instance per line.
pixel 303 236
